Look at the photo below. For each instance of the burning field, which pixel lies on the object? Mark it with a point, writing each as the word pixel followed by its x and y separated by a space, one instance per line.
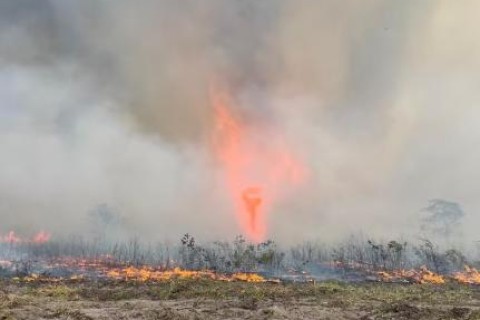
pixel 323 153
pixel 72 279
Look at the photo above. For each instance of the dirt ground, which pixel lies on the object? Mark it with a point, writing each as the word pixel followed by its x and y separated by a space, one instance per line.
pixel 190 299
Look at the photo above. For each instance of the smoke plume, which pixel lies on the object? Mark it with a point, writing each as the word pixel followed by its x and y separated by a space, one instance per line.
pixel 107 102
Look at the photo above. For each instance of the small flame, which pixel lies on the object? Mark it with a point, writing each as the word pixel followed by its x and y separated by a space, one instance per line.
pixel 418 276
pixel 12 238
pixel 248 277
pixel 148 274
pixel 253 200
pixel 470 275
pixel 41 237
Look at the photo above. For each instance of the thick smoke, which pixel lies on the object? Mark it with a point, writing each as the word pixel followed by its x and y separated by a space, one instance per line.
pixel 106 102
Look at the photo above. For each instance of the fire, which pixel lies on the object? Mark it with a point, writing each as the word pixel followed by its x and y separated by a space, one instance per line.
pixel 248 277
pixel 41 237
pixel 469 275
pixel 144 274
pixel 35 277
pixel 12 238
pixel 418 276
pixel 256 162
pixel 105 267
pixel 252 197
pixel 149 274
pixel 81 269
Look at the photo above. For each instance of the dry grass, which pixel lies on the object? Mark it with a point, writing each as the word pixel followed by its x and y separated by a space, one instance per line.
pixel 190 299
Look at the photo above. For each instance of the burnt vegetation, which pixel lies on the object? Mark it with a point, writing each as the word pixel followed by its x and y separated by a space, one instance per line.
pixel 350 259
pixel 319 260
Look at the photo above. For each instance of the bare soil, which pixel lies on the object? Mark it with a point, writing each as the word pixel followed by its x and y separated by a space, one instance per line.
pixel 190 299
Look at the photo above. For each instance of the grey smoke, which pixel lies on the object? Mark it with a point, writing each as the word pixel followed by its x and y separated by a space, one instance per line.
pixel 107 102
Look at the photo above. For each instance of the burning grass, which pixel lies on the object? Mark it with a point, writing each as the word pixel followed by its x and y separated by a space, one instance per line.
pixel 421 276
pixel 148 274
pixel 469 275
pixel 235 280
pixel 78 261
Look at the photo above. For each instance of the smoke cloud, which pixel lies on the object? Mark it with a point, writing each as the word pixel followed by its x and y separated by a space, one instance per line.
pixel 106 102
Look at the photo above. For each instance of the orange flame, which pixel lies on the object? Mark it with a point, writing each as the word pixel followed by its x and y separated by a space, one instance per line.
pixel 12 238
pixel 418 276
pixel 41 237
pixel 144 274
pixel 257 165
pixel 470 275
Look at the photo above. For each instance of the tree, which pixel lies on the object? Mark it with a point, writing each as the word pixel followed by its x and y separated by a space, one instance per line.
pixel 442 217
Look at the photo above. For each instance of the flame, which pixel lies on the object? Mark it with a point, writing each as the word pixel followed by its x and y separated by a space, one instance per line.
pixel 469 275
pixel 41 237
pixel 418 276
pixel 12 238
pixel 144 274
pixel 104 267
pixel 256 162
pixel 248 277
pixel 35 277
